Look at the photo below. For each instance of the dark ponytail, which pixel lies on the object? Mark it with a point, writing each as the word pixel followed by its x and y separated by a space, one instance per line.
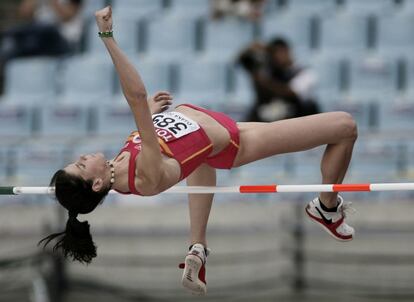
pixel 75 242
pixel 77 196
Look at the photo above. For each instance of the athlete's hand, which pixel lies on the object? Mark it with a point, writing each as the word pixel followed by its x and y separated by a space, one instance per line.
pixel 104 19
pixel 160 102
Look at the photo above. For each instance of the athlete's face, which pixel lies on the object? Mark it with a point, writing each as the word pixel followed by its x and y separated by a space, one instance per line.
pixel 89 167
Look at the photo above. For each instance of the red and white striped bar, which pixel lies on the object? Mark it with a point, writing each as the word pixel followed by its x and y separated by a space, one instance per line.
pixel 258 189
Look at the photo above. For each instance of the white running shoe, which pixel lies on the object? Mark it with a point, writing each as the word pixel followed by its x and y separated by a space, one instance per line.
pixel 194 274
pixel 332 222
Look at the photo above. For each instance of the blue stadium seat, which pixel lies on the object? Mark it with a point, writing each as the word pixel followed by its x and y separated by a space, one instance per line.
pixel 134 7
pixel 330 73
pixel 4 164
pixel 171 38
pixel 190 7
pixel 269 170
pixel 344 34
pixel 36 163
pixel 303 7
pixel 202 83
pixel 241 96
pixel 114 119
pixel 398 115
pixel 306 165
pixel 30 80
pixel 16 120
pixel 407 7
pixel 373 76
pixel 395 34
pixel 225 38
pixel 155 74
pixel 85 79
pixel 373 161
pixel 91 6
pixel 296 28
pixel 408 61
pixel 64 120
pixel 378 7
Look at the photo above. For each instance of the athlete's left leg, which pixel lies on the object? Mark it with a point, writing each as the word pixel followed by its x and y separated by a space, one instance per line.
pixel 336 130
pixel 199 205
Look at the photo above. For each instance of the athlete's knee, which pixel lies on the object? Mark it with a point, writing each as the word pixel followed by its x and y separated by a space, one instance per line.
pixel 348 126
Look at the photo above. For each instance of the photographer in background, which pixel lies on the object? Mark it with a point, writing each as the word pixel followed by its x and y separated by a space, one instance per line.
pixel 283 89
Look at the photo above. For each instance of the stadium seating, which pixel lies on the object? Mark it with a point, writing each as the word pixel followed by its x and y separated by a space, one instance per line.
pixel 378 7
pixel 344 33
pixel 406 7
pixel 224 38
pixel 113 119
pixel 190 8
pixel 4 164
pixel 395 34
pixel 70 120
pixel 397 115
pixel 86 79
pixel 16 120
pixel 375 160
pixel 30 80
pixel 294 27
pixel 91 6
pixel 156 75
pixel 170 38
pixel 331 71
pixel 241 91
pixel 36 163
pixel 136 7
pixel 320 7
pixel 373 76
pixel 202 83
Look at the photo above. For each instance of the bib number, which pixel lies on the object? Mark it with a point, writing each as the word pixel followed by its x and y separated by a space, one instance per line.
pixel 172 125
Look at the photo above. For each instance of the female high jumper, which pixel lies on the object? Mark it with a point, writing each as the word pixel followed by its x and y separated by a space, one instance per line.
pixel 191 142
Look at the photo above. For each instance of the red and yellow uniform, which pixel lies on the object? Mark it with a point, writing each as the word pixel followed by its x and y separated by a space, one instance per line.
pixel 184 140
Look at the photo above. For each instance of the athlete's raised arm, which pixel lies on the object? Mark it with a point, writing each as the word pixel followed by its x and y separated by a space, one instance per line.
pixel 134 91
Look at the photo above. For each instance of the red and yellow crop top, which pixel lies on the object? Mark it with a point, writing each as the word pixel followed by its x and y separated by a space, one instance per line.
pixel 179 137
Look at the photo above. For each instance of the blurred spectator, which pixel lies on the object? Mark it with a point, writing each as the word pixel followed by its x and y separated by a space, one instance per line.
pixel 248 9
pixel 283 89
pixel 50 27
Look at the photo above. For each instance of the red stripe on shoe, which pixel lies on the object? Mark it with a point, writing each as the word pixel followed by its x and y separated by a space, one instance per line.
pixel 202 274
pixel 331 227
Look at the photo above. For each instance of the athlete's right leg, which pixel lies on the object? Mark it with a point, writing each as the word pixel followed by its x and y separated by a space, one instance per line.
pixel 193 277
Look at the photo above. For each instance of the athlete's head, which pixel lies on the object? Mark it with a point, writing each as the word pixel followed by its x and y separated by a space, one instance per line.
pixel 80 187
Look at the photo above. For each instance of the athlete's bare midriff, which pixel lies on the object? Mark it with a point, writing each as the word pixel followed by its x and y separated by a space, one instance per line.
pixel 218 135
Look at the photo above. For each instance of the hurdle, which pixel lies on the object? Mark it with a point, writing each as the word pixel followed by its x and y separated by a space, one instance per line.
pixel 244 189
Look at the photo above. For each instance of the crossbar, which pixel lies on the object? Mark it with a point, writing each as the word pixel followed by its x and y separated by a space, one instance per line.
pixel 244 189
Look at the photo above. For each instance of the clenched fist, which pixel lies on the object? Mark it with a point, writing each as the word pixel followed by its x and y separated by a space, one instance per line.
pixel 104 19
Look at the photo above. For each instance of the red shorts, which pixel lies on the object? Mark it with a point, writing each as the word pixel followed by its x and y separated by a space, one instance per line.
pixel 225 158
